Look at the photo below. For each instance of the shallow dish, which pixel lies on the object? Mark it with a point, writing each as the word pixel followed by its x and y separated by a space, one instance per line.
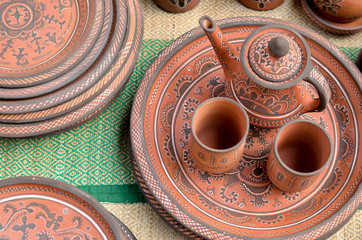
pixel 44 208
pixel 242 204
pixel 104 26
pixel 41 41
pixel 83 107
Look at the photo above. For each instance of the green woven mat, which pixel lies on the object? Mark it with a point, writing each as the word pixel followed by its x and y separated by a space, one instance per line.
pixel 94 156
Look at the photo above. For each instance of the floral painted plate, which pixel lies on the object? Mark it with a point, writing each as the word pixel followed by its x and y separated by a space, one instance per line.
pixel 44 208
pixel 42 40
pixel 81 108
pixel 103 26
pixel 242 204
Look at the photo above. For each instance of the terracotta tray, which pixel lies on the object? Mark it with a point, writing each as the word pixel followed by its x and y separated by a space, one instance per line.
pixel 42 40
pixel 99 37
pixel 242 204
pixel 43 208
pixel 88 104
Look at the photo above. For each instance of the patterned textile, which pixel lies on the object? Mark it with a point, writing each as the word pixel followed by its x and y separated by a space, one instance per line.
pixel 145 224
pixel 95 155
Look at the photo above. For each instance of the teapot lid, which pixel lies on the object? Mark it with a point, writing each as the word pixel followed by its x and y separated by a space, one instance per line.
pixel 275 56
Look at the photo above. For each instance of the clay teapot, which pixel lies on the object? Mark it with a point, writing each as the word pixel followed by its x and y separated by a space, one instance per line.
pixel 266 77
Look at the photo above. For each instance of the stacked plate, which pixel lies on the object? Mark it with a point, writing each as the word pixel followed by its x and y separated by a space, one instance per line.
pixel 62 62
pixel 43 208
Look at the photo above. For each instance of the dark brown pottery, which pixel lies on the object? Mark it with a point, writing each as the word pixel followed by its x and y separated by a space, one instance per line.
pixel 177 6
pixel 342 28
pixel 103 25
pixel 340 10
pixel 42 40
pixel 261 5
pixel 43 208
pixel 267 77
pixel 242 204
pixel 92 102
pixel 302 150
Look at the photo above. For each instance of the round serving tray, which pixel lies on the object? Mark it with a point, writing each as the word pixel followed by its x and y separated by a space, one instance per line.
pixel 242 204
pixel 103 24
pixel 327 24
pixel 44 208
pixel 90 103
pixel 41 41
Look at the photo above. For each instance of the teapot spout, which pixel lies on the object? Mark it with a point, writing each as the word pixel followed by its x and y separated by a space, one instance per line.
pixel 226 53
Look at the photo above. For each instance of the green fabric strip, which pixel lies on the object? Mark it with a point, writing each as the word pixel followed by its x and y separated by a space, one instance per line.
pixel 127 193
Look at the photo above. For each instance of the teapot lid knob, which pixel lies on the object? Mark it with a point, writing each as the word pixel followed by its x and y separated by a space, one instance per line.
pixel 278 47
pixel 275 56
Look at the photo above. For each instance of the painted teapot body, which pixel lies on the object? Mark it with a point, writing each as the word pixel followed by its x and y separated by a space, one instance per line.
pixel 267 77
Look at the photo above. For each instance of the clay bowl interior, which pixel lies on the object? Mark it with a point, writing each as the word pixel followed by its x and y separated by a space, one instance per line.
pixel 304 147
pixel 219 125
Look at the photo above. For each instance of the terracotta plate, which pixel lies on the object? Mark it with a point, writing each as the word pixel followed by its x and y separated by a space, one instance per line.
pixel 242 204
pixel 96 69
pixel 42 40
pixel 103 25
pixel 328 25
pixel 45 106
pixel 126 233
pixel 43 208
pixel 88 104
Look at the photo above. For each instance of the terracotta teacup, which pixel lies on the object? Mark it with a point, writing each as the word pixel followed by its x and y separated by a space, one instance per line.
pixel 177 6
pixel 340 11
pixel 219 129
pixel 301 151
pixel 261 5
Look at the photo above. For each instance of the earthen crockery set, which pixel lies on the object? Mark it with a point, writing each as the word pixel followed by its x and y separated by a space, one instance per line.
pixel 273 64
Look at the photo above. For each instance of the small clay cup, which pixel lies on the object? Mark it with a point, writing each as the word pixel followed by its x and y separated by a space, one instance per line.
pixel 261 5
pixel 340 11
pixel 301 151
pixel 219 129
pixel 178 6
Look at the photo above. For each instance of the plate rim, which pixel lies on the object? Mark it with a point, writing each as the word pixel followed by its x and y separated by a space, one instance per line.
pixel 66 187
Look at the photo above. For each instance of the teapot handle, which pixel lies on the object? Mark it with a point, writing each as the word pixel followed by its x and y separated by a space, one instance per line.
pixel 321 85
